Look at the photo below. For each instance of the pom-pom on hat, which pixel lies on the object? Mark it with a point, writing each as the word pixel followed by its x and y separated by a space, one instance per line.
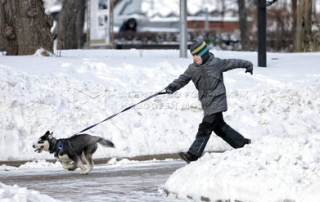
pixel 200 48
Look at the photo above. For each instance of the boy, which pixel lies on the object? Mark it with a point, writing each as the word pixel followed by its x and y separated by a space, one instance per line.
pixel 206 74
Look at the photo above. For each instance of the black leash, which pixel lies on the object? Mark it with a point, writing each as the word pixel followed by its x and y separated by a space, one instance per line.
pixel 110 117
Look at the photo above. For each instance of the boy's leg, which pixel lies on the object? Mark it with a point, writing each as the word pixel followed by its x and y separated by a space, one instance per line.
pixel 228 134
pixel 203 135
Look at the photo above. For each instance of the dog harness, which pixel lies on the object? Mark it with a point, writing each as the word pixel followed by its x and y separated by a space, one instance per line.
pixel 61 150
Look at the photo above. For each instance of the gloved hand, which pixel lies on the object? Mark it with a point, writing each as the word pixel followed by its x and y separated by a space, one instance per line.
pixel 169 90
pixel 249 69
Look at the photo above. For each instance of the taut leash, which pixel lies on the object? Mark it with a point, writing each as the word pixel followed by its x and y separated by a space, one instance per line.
pixel 112 116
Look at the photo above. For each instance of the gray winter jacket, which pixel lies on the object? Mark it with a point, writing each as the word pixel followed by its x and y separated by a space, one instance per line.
pixel 208 80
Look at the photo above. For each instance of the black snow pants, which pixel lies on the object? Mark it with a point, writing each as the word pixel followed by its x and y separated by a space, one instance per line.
pixel 215 123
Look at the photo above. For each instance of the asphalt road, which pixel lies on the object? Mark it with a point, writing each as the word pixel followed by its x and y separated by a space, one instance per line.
pixel 140 181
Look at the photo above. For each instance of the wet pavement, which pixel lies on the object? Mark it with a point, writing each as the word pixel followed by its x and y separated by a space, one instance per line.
pixel 140 181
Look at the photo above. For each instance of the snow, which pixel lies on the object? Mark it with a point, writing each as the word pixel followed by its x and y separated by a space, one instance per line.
pixel 274 169
pixel 53 8
pixel 278 108
pixel 156 8
pixel 21 194
pixel 43 168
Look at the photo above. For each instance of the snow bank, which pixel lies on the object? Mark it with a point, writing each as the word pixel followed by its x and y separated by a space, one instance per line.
pixel 40 164
pixel 273 169
pixel 7 168
pixel 19 194
pixel 67 94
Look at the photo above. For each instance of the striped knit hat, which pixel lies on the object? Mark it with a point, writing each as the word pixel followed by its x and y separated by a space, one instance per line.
pixel 200 48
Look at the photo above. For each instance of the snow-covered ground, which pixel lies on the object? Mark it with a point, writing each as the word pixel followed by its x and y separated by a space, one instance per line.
pixel 21 194
pixel 118 180
pixel 278 108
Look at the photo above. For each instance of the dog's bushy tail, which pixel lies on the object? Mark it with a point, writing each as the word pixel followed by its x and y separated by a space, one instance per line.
pixel 105 142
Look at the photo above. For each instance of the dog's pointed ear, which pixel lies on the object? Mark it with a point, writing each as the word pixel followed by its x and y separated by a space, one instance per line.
pixel 50 135
pixel 47 133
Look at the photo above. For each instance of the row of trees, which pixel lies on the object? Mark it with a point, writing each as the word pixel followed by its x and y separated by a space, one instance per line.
pixel 25 27
pixel 290 26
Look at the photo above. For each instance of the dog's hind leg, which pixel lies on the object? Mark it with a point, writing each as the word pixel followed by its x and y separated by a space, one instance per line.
pixel 90 162
pixel 87 161
pixel 80 165
pixel 88 152
pixel 83 159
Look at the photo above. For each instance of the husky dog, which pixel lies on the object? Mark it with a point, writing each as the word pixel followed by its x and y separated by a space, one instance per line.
pixel 72 152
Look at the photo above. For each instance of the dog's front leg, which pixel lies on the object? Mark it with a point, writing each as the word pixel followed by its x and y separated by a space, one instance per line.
pixel 68 165
pixel 72 166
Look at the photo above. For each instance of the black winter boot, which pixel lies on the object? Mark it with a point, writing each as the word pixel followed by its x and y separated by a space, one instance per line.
pixel 246 141
pixel 187 157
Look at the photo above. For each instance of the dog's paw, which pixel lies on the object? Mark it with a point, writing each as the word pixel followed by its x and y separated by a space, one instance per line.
pixel 84 173
pixel 72 168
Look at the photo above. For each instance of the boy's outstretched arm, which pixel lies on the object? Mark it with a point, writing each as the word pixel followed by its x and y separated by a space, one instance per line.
pixel 229 64
pixel 179 82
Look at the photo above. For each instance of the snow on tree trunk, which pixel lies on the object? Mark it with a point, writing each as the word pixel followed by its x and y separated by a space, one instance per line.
pixel 25 26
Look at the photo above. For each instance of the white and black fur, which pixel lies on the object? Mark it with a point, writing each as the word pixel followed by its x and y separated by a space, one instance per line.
pixel 72 152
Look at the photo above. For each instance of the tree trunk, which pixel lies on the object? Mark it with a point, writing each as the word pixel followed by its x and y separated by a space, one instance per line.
pixel 80 23
pixel 26 27
pixel 243 24
pixel 70 25
pixel 294 17
pixel 303 33
pixel 3 41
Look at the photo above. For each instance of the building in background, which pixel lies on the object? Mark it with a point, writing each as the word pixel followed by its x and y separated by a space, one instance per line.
pixel 157 22
pixel 163 15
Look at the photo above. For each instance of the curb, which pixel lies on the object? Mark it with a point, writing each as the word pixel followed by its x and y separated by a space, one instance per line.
pixel 101 160
pixel 105 160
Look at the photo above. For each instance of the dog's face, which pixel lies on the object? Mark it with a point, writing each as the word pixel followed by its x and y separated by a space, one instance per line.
pixel 43 142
